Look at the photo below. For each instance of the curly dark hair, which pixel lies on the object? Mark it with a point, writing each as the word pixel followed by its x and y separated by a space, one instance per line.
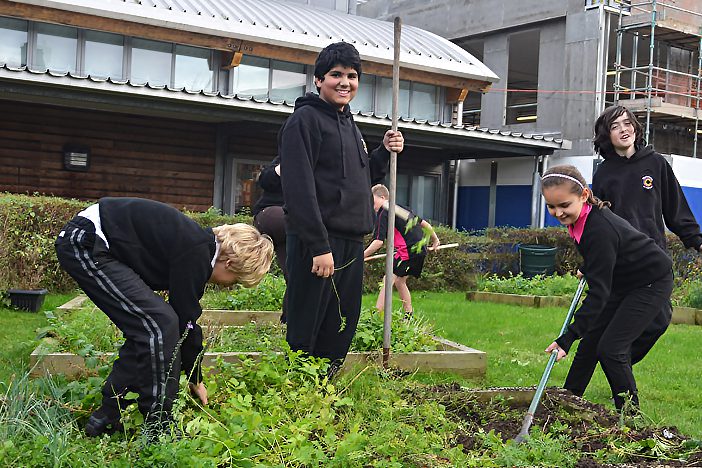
pixel 567 174
pixel 338 53
pixel 602 141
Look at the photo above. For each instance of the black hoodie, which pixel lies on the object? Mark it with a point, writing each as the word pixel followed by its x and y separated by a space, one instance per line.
pixel 643 190
pixel 327 174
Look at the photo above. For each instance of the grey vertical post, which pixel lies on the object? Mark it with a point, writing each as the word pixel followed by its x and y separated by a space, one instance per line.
pixel 634 64
pixel 220 155
pixel 535 194
pixel 390 239
pixel 699 86
pixel 649 78
pixel 493 194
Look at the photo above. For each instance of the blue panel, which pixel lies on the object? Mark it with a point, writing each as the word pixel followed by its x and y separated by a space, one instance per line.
pixel 473 206
pixel 513 205
pixel 694 199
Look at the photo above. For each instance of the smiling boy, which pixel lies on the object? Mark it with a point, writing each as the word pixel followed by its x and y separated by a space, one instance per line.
pixel 326 174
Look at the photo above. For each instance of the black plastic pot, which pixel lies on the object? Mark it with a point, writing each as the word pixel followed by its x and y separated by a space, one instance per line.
pixel 27 299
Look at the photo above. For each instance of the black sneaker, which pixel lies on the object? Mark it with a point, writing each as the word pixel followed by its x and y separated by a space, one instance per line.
pixel 103 421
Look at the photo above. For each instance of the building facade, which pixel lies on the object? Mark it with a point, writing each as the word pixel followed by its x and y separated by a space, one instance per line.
pixel 183 105
pixel 560 63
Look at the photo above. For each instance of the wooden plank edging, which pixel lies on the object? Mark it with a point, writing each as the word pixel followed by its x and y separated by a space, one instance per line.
pixel 681 315
pixel 451 357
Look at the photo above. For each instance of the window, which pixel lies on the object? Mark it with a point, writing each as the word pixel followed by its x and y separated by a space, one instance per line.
pixel 151 62
pixel 288 81
pixel 250 78
pixel 56 48
pixel 13 42
pixel 193 68
pixel 363 102
pixel 473 102
pixel 419 192
pixel 522 77
pixel 424 102
pixel 104 54
pixel 384 97
pixel 247 191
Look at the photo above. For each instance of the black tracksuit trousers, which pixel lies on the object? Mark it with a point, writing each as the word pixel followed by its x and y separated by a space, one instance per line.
pixel 316 304
pixel 626 330
pixel 271 221
pixel 146 364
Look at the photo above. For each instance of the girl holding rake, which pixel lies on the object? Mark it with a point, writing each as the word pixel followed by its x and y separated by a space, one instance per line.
pixel 629 277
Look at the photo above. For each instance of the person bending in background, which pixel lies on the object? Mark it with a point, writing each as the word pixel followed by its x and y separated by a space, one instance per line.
pixel 410 251
pixel 269 218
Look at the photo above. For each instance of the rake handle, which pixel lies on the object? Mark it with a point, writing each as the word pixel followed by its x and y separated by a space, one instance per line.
pixel 529 418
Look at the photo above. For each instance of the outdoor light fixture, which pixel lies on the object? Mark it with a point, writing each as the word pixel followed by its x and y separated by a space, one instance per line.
pixel 76 158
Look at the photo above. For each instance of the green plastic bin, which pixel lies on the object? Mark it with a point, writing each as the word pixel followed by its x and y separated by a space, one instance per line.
pixel 535 259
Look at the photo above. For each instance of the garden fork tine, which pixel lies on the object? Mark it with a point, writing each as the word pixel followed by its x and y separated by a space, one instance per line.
pixel 529 418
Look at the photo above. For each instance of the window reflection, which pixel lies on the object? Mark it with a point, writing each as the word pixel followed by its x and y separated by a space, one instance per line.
pixel 56 48
pixel 288 81
pixel 193 68
pixel 418 192
pixel 384 100
pixel 251 77
pixel 363 101
pixel 151 62
pixel 424 102
pixel 247 191
pixel 13 42
pixel 103 54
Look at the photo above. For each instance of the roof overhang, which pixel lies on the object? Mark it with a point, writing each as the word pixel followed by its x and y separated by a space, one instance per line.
pixel 269 28
pixel 124 97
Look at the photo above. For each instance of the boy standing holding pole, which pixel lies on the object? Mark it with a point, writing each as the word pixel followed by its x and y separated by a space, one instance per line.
pixel 326 174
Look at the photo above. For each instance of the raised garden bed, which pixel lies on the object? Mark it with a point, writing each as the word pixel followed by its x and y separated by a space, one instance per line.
pixel 447 356
pixel 681 315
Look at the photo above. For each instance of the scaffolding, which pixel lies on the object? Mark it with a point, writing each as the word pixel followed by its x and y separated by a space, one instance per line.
pixel 661 92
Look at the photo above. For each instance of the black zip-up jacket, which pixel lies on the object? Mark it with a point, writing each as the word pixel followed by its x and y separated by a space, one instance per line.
pixel 269 181
pixel 644 190
pixel 617 257
pixel 169 251
pixel 327 174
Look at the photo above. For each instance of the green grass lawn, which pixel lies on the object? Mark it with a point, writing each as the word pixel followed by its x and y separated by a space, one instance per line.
pixel 18 332
pixel 514 338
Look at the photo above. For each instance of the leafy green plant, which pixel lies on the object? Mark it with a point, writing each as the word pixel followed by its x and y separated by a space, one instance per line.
pixel 268 295
pixel 694 295
pixel 538 285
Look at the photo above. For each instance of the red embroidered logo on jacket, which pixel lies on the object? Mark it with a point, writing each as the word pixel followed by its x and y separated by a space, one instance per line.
pixel 647 182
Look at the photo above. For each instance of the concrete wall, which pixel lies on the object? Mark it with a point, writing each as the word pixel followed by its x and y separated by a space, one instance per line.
pixel 455 19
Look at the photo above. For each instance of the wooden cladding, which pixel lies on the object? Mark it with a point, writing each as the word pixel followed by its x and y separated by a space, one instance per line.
pixel 167 160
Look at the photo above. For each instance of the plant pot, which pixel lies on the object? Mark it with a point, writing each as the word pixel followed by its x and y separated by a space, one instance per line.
pixel 536 259
pixel 27 299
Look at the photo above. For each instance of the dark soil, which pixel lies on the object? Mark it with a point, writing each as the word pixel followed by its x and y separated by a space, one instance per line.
pixel 595 430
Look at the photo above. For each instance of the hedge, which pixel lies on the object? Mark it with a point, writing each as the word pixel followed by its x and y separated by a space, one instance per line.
pixel 30 225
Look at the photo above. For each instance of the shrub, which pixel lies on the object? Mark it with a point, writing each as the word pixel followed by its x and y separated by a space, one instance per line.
pixel 538 285
pixel 28 227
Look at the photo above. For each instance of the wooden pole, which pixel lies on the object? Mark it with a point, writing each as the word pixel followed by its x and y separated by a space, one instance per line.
pixel 382 255
pixel 387 319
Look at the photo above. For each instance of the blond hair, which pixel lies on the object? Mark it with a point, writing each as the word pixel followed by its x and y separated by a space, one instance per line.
pixel 570 175
pixel 250 252
pixel 381 191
